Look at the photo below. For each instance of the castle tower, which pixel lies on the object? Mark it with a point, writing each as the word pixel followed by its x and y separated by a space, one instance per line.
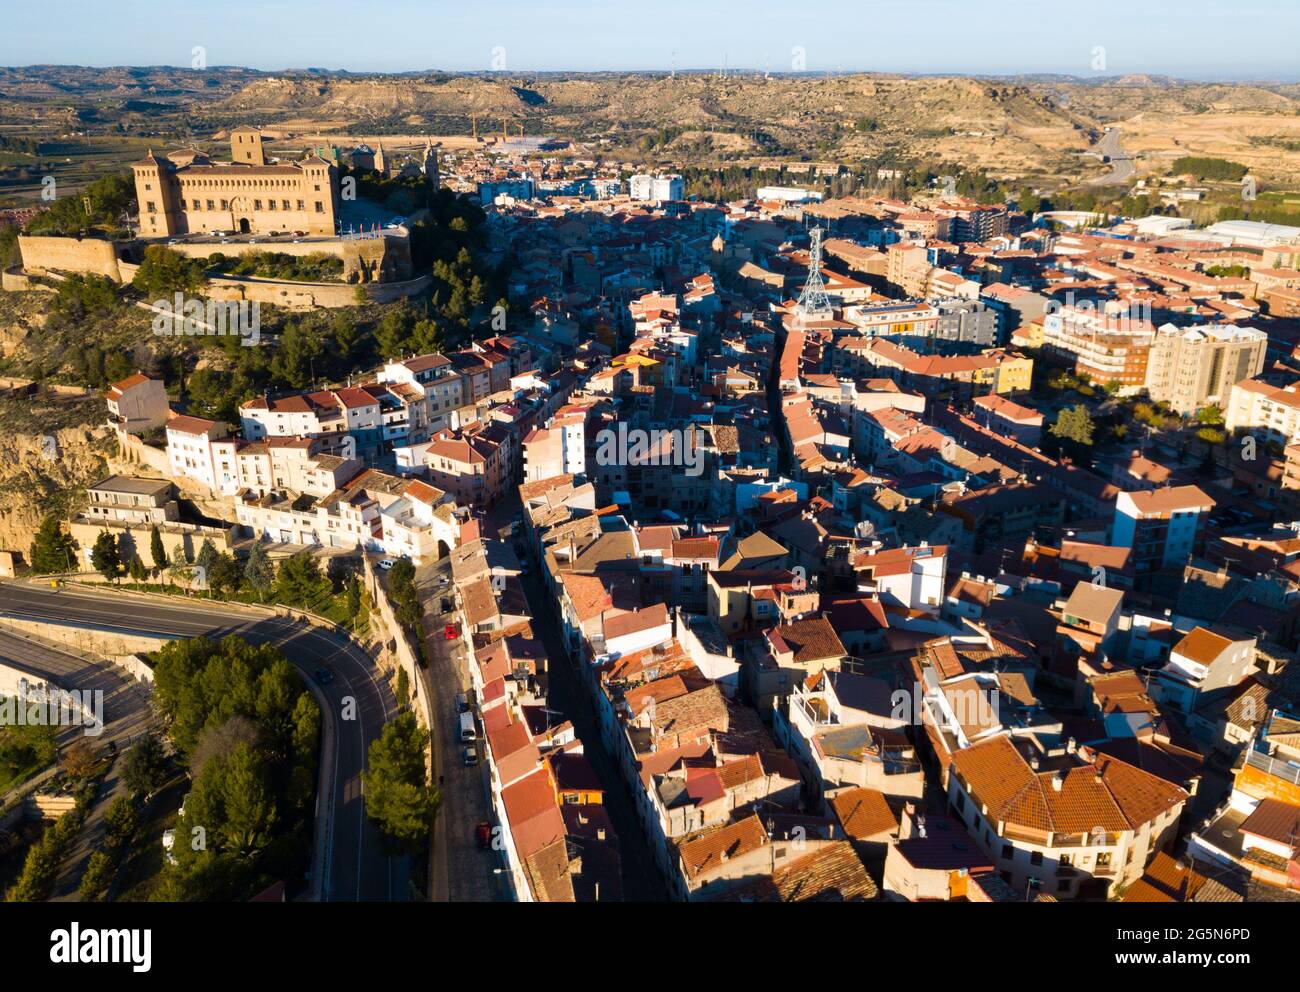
pixel 246 146
pixel 380 165
pixel 320 187
pixel 430 166
pixel 153 191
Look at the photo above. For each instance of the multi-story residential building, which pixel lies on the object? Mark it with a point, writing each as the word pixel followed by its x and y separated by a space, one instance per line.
pixel 1193 367
pixel 906 578
pixel 966 324
pixel 893 319
pixel 436 379
pixel 189 449
pixel 469 467
pixel 559 448
pixel 137 404
pixel 1107 349
pixel 1009 419
pixel 842 730
pixel 657 187
pixel 373 512
pixel 1270 412
pixel 1202 668
pixel 121 499
pixel 973 221
pixel 1073 824
pixel 1164 527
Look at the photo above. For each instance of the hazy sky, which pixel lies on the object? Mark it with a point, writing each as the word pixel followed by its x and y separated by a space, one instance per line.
pixel 1190 38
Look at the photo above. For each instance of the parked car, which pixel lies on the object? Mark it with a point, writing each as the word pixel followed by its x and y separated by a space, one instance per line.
pixel 386 563
pixel 462 703
pixel 169 842
pixel 470 757
pixel 323 676
pixel 468 731
pixel 483 835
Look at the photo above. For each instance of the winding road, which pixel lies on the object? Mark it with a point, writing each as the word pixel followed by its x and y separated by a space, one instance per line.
pixel 356 866
pixel 1121 166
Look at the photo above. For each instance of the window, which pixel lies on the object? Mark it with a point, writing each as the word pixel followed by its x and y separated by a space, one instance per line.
pixel 153 209
pixel 301 205
pixel 1008 852
pixel 209 204
pixel 257 204
pixel 320 207
pixel 1036 858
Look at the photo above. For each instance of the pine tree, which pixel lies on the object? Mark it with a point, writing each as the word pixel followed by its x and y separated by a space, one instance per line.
pixel 156 550
pixel 104 556
pixel 204 561
pixel 259 571
pixel 53 550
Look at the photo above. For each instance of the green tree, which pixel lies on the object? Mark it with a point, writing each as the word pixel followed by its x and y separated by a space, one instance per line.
pixel 306 729
pixel 353 597
pixel 259 571
pixel 119 822
pixel 225 576
pixel 299 582
pixel 98 876
pixel 137 571
pixel 53 549
pixel 145 770
pixel 206 558
pixel 105 556
pixel 156 551
pixel 250 813
pixel 1074 424
pixel 397 796
pixel 164 272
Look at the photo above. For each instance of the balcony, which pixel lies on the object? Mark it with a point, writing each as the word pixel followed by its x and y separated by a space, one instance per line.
pixel 1285 770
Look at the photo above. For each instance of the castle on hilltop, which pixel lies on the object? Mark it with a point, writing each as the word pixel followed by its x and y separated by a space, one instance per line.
pixel 187 193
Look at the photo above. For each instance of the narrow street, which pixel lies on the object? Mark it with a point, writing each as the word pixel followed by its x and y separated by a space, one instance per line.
pixel 461 872
pixel 566 694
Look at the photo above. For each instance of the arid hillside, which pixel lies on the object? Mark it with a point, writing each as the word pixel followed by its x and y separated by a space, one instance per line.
pixel 1024 126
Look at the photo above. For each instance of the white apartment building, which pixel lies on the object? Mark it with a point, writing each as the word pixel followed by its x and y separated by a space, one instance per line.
pixel 189 449
pixel 1272 413
pixel 658 187
pixel 1194 367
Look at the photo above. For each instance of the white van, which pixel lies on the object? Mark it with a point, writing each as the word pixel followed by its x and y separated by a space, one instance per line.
pixel 468 734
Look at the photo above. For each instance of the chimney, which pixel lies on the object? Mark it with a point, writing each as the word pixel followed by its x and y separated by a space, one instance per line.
pixel 1058 779
pixel 1071 745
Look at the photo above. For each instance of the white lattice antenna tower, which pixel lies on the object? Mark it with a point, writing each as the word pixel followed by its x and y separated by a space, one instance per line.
pixel 813 298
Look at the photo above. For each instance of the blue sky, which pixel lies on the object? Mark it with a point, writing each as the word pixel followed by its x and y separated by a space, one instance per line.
pixel 1192 38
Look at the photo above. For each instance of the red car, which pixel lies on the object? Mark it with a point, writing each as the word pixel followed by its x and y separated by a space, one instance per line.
pixel 483 835
pixel 452 632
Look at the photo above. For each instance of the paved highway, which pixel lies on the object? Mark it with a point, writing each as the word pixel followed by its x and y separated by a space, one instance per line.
pixel 357 866
pixel 1121 166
